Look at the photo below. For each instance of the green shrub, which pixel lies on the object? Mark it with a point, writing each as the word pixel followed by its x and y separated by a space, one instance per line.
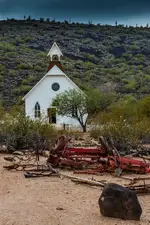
pixel 41 55
pixel 124 134
pixel 12 72
pixel 28 80
pixel 127 122
pixel 130 86
pixel 11 54
pixel 89 65
pixel 4 58
pixel 27 38
pixel 20 132
pixel 25 66
pixel 2 68
pixel 1 78
pixel 38 68
pixel 16 91
pixel 25 88
pixel 7 47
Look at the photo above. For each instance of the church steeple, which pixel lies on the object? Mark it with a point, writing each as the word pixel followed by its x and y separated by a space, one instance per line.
pixel 55 55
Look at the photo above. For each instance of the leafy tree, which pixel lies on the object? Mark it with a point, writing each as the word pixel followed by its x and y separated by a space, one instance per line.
pixel 75 104
pixel 98 101
pixel 72 103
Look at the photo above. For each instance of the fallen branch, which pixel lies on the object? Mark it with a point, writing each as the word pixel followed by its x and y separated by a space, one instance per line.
pixel 11 167
pixel 42 174
pixel 82 180
pixel 140 189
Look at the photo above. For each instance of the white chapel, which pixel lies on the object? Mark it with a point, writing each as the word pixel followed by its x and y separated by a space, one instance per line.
pixel 39 99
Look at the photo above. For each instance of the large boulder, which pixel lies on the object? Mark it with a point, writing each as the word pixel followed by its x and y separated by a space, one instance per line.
pixel 119 202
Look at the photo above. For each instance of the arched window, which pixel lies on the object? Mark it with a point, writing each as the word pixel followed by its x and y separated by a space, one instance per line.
pixel 37 111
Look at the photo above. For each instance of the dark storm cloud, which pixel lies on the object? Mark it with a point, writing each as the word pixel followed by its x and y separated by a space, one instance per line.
pixel 71 8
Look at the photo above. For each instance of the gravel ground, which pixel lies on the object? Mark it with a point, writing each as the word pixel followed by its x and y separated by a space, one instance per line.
pixel 52 201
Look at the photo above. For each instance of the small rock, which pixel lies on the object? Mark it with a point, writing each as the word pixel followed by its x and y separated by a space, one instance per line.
pixel 3 149
pixel 59 208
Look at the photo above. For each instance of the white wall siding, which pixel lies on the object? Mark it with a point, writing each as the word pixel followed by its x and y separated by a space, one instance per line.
pixel 43 94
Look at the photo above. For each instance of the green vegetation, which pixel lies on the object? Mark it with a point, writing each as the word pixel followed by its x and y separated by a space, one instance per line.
pixel 78 105
pixel 24 66
pixel 127 121
pixel 11 72
pixel 72 103
pixel 19 132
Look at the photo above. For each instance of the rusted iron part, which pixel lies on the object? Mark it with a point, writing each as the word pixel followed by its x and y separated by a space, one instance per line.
pixel 58 149
pixel 105 155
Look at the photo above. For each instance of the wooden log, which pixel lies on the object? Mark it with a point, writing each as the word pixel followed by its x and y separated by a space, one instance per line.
pixel 9 158
pixel 89 182
pixel 11 167
pixel 82 180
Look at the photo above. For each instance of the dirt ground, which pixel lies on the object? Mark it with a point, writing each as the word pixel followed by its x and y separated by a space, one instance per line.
pixel 52 201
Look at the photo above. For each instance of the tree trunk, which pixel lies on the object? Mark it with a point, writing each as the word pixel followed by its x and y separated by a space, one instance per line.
pixel 83 124
pixel 84 127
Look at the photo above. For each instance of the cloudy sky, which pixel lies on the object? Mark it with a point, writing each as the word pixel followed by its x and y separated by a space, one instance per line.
pixel 99 11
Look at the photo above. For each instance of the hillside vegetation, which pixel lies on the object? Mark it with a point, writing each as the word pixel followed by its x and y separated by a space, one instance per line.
pixel 112 58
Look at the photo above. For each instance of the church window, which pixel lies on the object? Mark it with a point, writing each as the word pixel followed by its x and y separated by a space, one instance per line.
pixel 55 86
pixel 37 110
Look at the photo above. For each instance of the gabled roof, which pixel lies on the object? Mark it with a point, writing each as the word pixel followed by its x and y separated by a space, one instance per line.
pixel 53 72
pixel 55 50
pixel 57 63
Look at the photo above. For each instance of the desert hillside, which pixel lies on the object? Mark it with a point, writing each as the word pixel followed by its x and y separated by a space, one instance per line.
pixel 113 58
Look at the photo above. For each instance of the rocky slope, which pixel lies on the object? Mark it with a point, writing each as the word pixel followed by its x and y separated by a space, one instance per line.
pixel 111 58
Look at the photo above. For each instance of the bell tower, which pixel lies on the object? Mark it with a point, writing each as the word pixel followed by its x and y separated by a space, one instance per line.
pixel 55 55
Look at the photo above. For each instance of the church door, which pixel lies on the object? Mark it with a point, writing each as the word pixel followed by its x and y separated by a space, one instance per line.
pixel 52 115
